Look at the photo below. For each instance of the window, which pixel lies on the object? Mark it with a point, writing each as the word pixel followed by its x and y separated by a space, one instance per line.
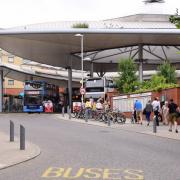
pixel 11 59
pixel 95 83
pixel 11 82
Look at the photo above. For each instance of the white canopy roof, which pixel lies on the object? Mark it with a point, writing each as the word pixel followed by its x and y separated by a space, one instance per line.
pixel 105 42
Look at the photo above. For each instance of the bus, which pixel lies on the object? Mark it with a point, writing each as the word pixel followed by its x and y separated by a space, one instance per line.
pixel 36 93
pixel 98 87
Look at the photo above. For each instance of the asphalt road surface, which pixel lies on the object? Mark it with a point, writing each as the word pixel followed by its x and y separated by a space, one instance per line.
pixel 79 151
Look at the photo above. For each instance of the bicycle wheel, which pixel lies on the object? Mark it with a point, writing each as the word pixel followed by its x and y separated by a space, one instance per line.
pixel 74 114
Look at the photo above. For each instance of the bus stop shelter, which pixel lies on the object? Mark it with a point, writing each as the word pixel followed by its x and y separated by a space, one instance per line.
pixel 149 40
pixel 23 74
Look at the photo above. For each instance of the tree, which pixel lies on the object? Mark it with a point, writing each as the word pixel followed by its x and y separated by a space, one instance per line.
pixel 168 72
pixel 157 80
pixel 127 80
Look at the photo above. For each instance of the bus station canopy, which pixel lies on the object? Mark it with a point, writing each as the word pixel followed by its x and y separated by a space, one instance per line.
pixel 104 42
pixel 22 74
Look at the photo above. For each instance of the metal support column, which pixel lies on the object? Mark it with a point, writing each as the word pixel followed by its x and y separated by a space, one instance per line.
pixel 1 91
pixel 70 86
pixel 140 56
pixel 92 70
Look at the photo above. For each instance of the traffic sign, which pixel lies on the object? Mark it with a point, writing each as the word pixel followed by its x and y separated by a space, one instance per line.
pixel 82 91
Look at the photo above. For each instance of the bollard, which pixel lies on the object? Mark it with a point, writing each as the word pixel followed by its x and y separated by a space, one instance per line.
pixel 154 125
pixel 67 109
pixel 22 137
pixel 109 121
pixel 86 115
pixel 11 131
pixel 69 113
pixel 63 111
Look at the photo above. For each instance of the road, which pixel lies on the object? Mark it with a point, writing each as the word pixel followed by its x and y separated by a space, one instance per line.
pixel 79 151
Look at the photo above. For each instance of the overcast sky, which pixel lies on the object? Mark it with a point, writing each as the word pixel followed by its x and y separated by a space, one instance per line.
pixel 23 12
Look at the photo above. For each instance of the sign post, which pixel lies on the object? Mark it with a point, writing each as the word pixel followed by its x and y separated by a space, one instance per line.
pixel 82 91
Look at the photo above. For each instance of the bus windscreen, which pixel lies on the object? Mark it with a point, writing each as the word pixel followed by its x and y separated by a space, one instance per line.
pixel 32 99
pixel 94 83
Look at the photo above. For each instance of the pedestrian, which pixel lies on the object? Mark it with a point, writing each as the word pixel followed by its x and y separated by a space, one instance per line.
pixel 165 113
pixel 133 118
pixel 148 110
pixel 91 100
pixel 156 109
pixel 94 106
pixel 138 109
pixel 173 109
pixel 88 108
pixel 106 106
pixel 99 105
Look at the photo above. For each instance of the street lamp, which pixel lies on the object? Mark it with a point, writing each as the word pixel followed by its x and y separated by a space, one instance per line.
pixel 82 65
pixel 82 69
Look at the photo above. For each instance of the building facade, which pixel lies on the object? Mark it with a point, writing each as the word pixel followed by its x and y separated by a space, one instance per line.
pixel 11 86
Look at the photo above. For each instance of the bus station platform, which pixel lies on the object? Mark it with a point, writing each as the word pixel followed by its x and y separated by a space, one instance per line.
pixel 10 154
pixel 162 130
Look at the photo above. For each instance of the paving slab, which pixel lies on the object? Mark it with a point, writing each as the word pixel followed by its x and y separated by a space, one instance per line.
pixel 10 153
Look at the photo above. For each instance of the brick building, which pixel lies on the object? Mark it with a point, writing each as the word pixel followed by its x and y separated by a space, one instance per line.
pixel 11 86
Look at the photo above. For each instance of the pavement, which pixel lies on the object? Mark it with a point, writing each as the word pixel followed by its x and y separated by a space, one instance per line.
pixel 10 153
pixel 162 130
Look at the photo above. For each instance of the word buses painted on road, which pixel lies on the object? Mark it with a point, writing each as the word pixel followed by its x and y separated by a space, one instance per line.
pixel 92 173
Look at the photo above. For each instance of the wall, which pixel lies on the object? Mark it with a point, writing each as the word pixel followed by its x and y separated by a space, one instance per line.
pixel 167 94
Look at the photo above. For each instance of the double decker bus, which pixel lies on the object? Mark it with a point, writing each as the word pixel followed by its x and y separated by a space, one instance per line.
pixel 98 87
pixel 37 92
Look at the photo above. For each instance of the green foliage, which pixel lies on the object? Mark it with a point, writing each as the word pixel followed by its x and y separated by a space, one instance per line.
pixel 157 83
pixel 165 78
pixel 80 25
pixel 127 80
pixel 175 19
pixel 168 72
pixel 157 80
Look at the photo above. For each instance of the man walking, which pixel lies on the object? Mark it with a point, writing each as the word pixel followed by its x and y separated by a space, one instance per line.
pixel 148 110
pixel 138 109
pixel 173 115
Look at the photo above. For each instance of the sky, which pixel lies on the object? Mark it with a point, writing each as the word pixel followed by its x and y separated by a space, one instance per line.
pixel 24 12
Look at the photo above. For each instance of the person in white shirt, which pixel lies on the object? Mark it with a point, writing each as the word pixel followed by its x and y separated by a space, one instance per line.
pixel 99 105
pixel 165 113
pixel 156 109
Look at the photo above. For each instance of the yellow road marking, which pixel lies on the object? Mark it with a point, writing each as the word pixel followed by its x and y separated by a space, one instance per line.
pixel 93 173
